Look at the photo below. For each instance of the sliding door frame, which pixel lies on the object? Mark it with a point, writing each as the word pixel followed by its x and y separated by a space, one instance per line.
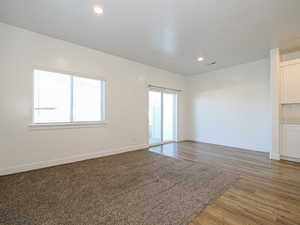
pixel 175 111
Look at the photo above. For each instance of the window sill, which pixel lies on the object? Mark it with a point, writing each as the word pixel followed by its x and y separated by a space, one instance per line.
pixel 38 126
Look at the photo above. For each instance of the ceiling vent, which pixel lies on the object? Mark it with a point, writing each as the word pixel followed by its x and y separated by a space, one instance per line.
pixel 211 63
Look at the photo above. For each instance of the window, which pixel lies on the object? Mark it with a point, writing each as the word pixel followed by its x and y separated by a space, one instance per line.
pixel 63 98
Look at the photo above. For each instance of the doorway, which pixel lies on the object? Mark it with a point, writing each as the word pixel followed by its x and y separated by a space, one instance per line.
pixel 162 116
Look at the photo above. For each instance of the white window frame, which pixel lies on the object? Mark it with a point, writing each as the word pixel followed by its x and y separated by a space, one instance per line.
pixel 72 123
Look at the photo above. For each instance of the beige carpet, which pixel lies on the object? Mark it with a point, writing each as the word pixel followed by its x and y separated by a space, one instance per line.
pixel 136 188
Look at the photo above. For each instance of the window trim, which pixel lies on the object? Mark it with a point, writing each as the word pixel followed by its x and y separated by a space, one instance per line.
pixel 104 87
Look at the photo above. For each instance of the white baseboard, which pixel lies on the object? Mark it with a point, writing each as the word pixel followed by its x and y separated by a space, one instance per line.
pixel 55 162
pixel 244 147
pixel 290 159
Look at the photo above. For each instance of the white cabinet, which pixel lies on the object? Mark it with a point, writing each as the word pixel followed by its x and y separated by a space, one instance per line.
pixel 290 82
pixel 290 110
pixel 290 142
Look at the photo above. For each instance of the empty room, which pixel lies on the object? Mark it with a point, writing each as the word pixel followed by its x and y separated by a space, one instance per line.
pixel 149 112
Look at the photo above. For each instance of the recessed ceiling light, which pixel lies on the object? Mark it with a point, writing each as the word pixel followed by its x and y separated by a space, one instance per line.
pixel 98 10
pixel 200 59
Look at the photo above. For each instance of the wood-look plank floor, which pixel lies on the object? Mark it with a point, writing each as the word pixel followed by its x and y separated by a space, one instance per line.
pixel 268 192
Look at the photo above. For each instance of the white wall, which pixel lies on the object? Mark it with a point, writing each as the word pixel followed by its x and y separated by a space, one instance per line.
pixel 229 107
pixel 22 147
pixel 232 106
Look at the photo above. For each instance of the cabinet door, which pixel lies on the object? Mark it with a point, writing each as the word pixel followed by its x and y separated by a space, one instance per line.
pixel 291 83
pixel 290 141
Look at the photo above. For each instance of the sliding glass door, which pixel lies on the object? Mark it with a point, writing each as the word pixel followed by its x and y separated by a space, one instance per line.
pixel 155 117
pixel 169 116
pixel 162 116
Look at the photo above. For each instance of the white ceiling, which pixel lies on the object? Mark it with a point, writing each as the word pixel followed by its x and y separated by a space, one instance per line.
pixel 168 34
